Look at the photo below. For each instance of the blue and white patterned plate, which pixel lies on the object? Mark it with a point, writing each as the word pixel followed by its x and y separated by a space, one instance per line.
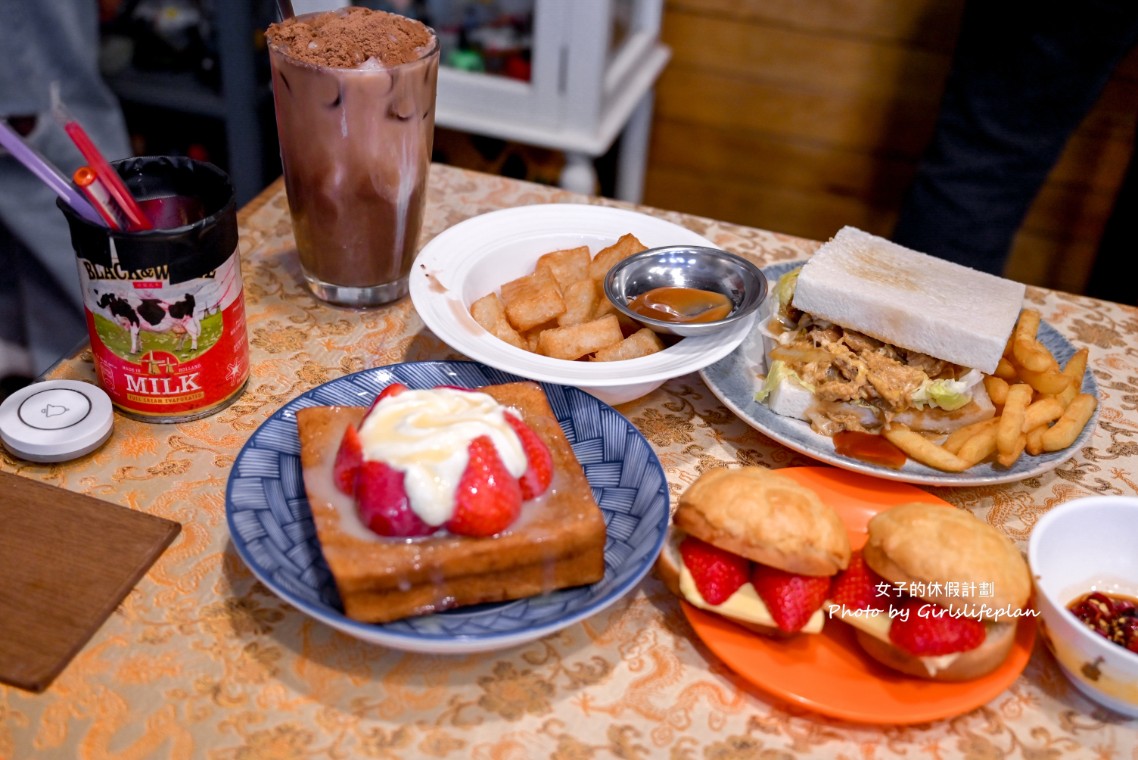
pixel 732 380
pixel 271 524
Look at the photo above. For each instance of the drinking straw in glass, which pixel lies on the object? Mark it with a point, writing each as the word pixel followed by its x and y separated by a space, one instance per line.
pixel 87 181
pixel 136 218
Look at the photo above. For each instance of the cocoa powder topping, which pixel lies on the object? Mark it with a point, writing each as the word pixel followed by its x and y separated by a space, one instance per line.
pixel 348 37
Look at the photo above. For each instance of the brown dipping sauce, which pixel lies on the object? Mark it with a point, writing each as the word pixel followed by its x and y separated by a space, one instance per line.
pixel 868 447
pixel 676 304
pixel 1112 616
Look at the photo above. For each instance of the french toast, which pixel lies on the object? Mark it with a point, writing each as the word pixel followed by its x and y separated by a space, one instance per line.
pixel 558 540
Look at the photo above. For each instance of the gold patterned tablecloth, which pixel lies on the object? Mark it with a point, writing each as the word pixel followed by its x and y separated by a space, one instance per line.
pixel 202 660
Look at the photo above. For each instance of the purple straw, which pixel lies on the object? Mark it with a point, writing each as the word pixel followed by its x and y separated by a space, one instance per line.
pixel 42 168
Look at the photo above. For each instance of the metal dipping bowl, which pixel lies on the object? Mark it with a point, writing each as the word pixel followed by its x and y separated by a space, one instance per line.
pixel 687 266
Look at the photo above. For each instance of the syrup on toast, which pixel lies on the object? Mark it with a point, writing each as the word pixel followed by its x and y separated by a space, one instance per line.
pixel 557 542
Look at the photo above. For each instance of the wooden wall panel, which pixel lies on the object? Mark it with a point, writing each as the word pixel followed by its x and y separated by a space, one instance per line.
pixel 795 58
pixel 771 160
pixel 839 119
pixel 919 22
pixel 804 115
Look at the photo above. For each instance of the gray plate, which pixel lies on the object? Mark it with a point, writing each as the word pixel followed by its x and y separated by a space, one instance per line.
pixel 732 380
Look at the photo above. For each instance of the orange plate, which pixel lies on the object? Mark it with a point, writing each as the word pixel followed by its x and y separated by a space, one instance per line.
pixel 828 672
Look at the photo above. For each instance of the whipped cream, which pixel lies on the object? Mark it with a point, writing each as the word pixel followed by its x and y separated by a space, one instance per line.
pixel 877 623
pixel 744 604
pixel 426 433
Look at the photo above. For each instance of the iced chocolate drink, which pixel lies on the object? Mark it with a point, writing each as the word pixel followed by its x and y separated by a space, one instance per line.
pixel 355 103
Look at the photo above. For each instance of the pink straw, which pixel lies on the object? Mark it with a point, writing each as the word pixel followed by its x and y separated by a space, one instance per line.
pixel 42 168
pixel 135 217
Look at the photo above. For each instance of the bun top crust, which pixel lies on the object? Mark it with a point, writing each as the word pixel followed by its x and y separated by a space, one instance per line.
pixel 765 517
pixel 933 545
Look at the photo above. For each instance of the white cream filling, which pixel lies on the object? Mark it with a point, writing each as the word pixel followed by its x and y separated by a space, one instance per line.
pixel 745 605
pixel 876 623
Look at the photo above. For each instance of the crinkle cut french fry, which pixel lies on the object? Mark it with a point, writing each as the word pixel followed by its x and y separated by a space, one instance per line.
pixel 958 437
pixel 1010 427
pixel 1005 370
pixel 1047 409
pixel 1050 383
pixel 1075 368
pixel 917 447
pixel 1067 428
pixel 1033 355
pixel 1027 351
pixel 1034 440
pixel 1026 326
pixel 997 388
pixel 1008 458
pixel 980 445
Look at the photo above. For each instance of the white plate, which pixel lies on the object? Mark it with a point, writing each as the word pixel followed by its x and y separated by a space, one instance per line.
pixel 271 524
pixel 732 380
pixel 476 256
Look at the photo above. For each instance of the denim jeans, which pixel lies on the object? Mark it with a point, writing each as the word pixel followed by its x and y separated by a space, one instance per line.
pixel 1023 77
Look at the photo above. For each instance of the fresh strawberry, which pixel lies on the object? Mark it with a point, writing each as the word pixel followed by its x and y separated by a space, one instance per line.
pixel 928 630
pixel 717 573
pixel 488 498
pixel 790 598
pixel 383 505
pixel 858 587
pixel 348 459
pixel 392 390
pixel 539 462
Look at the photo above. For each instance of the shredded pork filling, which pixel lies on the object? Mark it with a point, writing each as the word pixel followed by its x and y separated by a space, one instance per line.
pixel 844 365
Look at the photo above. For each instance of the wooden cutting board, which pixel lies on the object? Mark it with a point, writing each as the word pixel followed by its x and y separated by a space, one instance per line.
pixel 66 561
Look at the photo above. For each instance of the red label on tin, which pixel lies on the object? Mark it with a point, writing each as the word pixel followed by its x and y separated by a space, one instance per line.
pixel 167 351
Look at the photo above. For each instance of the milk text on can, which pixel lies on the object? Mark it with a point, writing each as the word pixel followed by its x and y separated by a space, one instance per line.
pixel 165 308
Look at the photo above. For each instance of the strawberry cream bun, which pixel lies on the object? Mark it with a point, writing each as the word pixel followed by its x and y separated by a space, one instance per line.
pixel 755 547
pixel 935 593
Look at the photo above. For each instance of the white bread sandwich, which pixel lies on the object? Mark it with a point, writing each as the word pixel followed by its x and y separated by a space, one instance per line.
pixel 756 547
pixel 868 332
pixel 935 593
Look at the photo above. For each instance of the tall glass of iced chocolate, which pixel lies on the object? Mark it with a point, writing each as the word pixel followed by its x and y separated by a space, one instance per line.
pixel 355 102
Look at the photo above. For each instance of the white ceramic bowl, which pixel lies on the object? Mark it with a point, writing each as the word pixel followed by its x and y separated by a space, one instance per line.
pixel 478 255
pixel 1089 544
